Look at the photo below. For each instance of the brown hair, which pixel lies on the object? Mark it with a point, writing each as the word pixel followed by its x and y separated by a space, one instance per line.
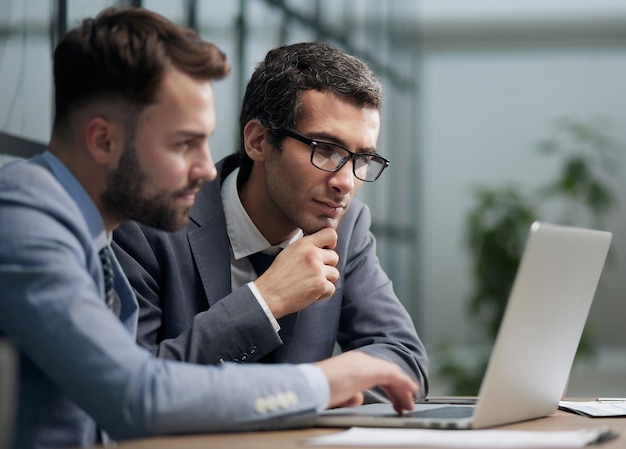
pixel 122 55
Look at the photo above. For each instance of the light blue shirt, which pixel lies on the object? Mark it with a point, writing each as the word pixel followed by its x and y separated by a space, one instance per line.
pixel 79 364
pixel 90 212
pixel 129 313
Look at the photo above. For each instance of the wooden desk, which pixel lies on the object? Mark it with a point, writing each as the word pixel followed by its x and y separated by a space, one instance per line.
pixel 288 439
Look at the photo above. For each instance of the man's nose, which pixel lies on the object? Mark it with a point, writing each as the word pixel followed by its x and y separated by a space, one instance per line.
pixel 343 179
pixel 204 168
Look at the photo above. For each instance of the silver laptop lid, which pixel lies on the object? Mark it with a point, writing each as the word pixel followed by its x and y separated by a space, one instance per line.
pixel 542 324
pixel 533 353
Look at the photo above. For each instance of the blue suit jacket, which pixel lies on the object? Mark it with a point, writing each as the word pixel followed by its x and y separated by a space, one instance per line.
pixel 80 367
pixel 188 311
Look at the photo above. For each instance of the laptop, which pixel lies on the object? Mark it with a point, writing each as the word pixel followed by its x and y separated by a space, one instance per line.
pixel 532 356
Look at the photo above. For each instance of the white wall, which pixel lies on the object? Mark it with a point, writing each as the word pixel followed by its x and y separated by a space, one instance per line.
pixel 488 95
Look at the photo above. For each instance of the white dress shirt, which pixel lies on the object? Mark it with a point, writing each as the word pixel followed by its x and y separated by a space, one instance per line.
pixel 246 239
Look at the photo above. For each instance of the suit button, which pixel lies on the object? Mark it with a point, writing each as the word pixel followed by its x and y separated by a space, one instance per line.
pixel 292 398
pixel 236 361
pixel 271 402
pixel 260 405
pixel 253 351
pixel 243 357
pixel 283 400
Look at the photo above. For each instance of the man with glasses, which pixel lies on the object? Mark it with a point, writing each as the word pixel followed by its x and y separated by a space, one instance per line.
pixel 134 109
pixel 310 122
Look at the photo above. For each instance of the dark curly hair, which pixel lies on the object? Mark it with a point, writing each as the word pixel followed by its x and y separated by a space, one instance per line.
pixel 273 92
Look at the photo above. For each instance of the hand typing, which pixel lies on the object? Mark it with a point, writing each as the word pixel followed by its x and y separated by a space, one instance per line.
pixel 352 372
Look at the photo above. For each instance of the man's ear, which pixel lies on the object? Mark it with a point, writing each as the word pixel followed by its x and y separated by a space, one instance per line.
pixel 255 141
pixel 102 139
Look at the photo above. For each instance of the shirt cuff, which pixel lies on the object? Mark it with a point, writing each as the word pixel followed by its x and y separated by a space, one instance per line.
pixel 257 294
pixel 317 380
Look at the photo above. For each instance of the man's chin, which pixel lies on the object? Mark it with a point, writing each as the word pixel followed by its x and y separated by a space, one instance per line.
pixel 170 222
pixel 320 224
pixel 179 223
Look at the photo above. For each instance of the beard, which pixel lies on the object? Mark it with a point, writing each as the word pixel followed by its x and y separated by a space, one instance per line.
pixel 124 197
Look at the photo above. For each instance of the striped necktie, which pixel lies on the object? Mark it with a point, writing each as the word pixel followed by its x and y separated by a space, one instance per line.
pixel 109 279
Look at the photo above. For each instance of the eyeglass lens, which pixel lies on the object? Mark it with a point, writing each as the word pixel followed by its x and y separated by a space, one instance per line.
pixel 329 157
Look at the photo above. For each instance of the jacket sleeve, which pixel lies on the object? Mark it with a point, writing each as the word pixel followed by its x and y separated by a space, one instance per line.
pixel 373 319
pixel 53 311
pixel 185 314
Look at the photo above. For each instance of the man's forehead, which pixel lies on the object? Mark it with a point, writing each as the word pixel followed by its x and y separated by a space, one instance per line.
pixel 309 101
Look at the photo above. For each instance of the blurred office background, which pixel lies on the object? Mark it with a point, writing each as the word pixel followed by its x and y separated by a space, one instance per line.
pixel 471 87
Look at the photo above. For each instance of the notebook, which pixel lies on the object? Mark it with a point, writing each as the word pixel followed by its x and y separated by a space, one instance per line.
pixel 536 343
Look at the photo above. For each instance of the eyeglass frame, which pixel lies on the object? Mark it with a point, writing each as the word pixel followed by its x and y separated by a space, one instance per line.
pixel 290 132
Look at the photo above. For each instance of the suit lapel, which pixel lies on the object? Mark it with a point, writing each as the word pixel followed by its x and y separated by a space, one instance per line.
pixel 211 250
pixel 212 258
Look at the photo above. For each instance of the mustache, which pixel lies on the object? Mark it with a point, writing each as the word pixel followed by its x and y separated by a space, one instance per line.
pixel 193 187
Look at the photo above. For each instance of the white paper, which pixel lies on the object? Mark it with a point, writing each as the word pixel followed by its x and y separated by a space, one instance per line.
pixel 484 439
pixel 596 408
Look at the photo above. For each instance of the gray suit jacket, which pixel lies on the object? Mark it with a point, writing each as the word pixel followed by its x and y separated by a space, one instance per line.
pixel 188 311
pixel 80 367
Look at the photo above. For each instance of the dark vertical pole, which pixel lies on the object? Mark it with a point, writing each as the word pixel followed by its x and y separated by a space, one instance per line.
pixel 192 14
pixel 58 22
pixel 317 20
pixel 131 3
pixel 283 34
pixel 242 35
pixel 58 28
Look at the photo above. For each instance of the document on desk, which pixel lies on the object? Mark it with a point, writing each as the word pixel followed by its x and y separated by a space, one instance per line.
pixel 484 439
pixel 601 408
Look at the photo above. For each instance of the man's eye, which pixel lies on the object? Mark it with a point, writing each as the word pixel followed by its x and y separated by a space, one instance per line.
pixel 326 148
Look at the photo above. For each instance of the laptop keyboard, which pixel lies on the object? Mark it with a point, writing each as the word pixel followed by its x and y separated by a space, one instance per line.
pixel 442 412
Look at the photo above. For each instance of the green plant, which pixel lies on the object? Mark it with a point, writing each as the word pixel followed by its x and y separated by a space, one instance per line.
pixel 497 225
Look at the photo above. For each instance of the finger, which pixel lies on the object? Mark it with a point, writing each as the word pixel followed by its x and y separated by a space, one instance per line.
pixel 324 238
pixel 330 257
pixel 328 291
pixel 332 274
pixel 354 401
pixel 403 402
pixel 401 397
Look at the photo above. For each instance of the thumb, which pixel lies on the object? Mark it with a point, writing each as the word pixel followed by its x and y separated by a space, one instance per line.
pixel 354 401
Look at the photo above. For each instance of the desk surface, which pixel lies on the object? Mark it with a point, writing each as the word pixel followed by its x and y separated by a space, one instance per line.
pixel 289 439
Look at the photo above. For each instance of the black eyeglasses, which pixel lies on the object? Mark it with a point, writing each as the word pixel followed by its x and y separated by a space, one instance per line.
pixel 331 157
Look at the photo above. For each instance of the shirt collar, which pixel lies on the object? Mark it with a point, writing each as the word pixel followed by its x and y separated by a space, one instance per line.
pixel 245 238
pixel 90 212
